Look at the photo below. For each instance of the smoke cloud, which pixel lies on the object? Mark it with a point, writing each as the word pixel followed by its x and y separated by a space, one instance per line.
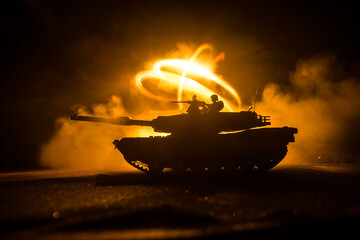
pixel 62 53
pixel 323 104
pixel 321 101
pixel 84 145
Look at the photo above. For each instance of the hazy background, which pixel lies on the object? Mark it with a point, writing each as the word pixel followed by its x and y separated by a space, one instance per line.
pixel 56 55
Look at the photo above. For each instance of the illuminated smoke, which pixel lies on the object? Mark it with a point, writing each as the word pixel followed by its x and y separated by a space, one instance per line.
pixel 85 145
pixel 322 104
pixel 178 79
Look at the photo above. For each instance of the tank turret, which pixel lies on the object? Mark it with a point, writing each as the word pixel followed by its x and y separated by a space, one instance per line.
pixel 182 124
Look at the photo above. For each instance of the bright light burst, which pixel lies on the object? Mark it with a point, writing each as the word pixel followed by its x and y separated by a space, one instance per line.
pixel 176 79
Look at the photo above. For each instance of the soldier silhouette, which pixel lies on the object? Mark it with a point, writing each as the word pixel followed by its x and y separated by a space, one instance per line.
pixel 195 106
pixel 199 107
pixel 216 105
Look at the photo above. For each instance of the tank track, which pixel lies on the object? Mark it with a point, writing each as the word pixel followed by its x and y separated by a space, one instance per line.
pixel 139 165
pixel 262 162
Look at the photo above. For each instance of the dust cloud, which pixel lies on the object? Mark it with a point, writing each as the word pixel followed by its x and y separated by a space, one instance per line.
pixel 323 103
pixel 83 145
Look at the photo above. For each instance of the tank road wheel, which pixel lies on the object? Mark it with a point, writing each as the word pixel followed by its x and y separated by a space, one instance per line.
pixel 231 166
pixel 179 169
pixel 155 168
pixel 197 168
pixel 267 162
pixel 247 165
pixel 214 168
pixel 271 160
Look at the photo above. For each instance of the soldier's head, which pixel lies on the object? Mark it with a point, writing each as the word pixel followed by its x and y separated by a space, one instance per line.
pixel 214 98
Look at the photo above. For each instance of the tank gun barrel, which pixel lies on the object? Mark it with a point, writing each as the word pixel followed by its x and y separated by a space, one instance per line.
pixel 116 121
pixel 188 102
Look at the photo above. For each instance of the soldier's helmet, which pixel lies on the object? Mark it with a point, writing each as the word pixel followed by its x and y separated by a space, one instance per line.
pixel 214 97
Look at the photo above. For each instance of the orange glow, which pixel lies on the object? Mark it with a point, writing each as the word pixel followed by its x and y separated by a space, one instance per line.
pixel 177 79
pixel 88 146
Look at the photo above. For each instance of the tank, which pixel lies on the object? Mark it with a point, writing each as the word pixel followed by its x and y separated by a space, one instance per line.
pixel 203 141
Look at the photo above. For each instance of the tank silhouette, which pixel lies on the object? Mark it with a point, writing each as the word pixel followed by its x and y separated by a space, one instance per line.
pixel 203 141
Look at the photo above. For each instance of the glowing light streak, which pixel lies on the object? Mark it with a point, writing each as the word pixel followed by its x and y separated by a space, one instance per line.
pixel 187 77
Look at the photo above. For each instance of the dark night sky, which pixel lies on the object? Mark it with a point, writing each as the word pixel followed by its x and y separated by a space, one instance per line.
pixel 59 53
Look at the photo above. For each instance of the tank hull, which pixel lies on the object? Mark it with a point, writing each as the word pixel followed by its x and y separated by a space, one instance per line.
pixel 254 149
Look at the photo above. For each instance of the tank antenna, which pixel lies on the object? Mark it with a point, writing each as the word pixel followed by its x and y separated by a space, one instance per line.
pixel 255 96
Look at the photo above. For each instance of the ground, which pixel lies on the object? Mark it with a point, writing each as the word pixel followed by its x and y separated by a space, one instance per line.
pixel 289 201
